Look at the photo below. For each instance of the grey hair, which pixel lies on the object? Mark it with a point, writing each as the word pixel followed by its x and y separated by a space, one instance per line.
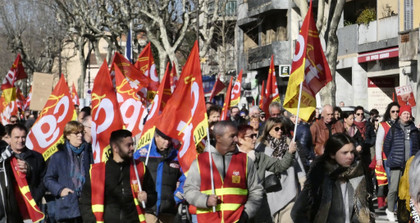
pixel 220 127
pixel 413 177
pixel 254 108
pixel 274 105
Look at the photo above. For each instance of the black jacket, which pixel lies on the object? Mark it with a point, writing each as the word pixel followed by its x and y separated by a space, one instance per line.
pixel 119 203
pixel 36 172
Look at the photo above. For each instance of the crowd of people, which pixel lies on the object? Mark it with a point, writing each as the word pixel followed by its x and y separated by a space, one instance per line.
pixel 256 168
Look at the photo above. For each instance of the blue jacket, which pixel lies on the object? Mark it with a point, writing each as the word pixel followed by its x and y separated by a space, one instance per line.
pixel 58 177
pixel 165 171
pixel 394 145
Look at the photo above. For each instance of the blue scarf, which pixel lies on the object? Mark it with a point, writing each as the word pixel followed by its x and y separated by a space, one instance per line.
pixel 77 170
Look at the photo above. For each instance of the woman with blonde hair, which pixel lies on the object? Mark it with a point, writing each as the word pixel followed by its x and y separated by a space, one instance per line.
pixel 274 141
pixel 67 171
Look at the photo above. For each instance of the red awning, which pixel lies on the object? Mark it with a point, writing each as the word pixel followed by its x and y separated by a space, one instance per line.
pixel 378 55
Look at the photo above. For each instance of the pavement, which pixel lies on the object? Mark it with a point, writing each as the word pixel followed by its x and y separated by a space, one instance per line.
pixel 380 214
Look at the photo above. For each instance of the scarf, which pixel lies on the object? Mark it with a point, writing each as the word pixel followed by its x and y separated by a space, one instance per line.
pixel 280 146
pixel 361 126
pixel 77 170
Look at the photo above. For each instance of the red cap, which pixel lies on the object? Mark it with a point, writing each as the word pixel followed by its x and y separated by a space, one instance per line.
pixel 405 108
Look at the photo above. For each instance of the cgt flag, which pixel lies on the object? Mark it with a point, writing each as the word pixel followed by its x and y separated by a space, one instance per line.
pixel 184 116
pixel 225 110
pixel 236 91
pixel 74 96
pixel 15 73
pixel 131 107
pixel 47 131
pixel 106 116
pixel 218 87
pixel 162 96
pixel 271 92
pixel 174 78
pixel 7 110
pixel 309 68
pixel 146 64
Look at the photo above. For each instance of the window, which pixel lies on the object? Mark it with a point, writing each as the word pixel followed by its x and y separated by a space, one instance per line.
pixel 408 14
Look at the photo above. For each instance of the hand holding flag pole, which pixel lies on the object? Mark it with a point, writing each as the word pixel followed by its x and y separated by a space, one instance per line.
pixel 143 204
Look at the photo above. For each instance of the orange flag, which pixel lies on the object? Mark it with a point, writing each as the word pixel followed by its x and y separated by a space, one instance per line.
pixel 74 96
pixel 236 91
pixel 158 104
pixel 309 68
pixel 106 116
pixel 184 116
pixel 146 64
pixel 131 107
pixel 47 131
pixel 224 115
pixel 135 77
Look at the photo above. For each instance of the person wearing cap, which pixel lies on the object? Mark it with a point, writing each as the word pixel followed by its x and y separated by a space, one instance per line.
pixel 165 170
pixel 401 142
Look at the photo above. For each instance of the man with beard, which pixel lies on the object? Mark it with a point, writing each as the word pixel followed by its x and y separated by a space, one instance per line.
pixel 238 192
pixel 112 193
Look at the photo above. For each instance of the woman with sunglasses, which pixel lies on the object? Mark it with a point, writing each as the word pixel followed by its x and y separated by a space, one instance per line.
pixel 66 174
pixel 246 144
pixel 381 169
pixel 275 142
pixel 336 187
pixel 352 130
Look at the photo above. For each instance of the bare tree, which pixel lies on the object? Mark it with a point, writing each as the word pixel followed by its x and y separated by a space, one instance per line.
pixel 329 14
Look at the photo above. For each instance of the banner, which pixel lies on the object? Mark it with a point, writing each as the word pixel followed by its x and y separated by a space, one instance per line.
pixel 405 95
pixel 41 89
pixel 225 110
pixel 309 68
pixel 106 116
pixel 162 96
pixel 184 116
pixel 236 91
pixel 47 131
pixel 131 107
pixel 146 64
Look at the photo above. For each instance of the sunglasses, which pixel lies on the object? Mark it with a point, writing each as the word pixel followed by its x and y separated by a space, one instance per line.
pixel 277 129
pixel 251 136
pixel 395 111
pixel 359 114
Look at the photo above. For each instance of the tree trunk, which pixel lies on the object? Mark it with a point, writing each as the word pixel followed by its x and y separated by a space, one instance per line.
pixel 328 92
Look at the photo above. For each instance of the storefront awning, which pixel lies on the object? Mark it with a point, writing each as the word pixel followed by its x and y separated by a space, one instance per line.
pixel 378 55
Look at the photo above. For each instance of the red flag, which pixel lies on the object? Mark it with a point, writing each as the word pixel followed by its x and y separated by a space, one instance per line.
pixel 74 96
pixel 217 88
pixel 309 68
pixel 20 99
pixel 224 115
pixel 131 107
pixel 136 78
pixel 272 92
pixel 106 116
pixel 262 97
pixel 28 100
pixel 146 64
pixel 158 104
pixel 7 110
pixel 47 131
pixel 184 116
pixel 174 78
pixel 15 73
pixel 236 91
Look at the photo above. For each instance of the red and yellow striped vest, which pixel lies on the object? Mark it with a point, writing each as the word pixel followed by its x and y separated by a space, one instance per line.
pixel 97 177
pixel 29 209
pixel 232 191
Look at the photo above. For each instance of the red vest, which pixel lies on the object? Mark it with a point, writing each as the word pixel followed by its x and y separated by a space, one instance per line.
pixel 26 203
pixel 97 177
pixel 386 127
pixel 232 191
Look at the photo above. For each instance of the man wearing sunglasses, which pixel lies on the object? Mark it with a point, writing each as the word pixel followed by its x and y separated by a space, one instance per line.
pixel 323 128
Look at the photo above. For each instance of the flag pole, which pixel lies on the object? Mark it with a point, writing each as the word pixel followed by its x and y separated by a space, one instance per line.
pixel 138 180
pixel 148 150
pixel 211 166
pixel 297 113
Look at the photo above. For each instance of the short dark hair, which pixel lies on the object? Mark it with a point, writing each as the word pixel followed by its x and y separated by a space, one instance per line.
pixel 118 135
pixel 17 126
pixel 214 108
pixel 86 110
pixel 359 108
pixel 373 112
